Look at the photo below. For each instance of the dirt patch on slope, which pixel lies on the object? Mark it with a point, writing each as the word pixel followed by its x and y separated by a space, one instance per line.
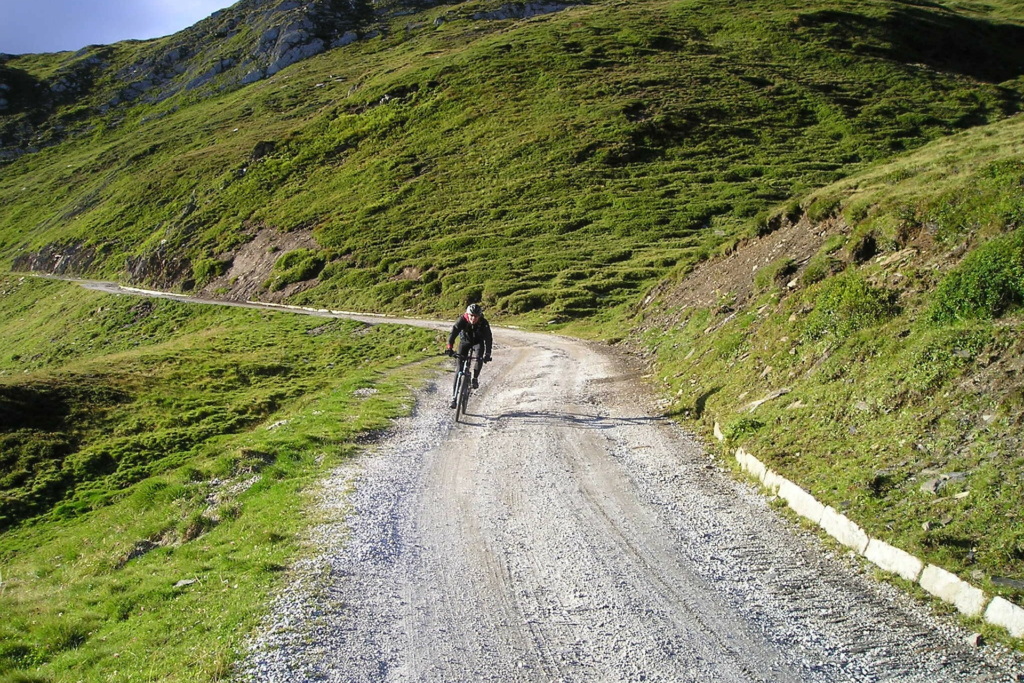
pixel 251 266
pixel 730 278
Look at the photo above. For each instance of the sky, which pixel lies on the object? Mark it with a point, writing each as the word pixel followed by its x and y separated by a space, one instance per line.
pixel 57 25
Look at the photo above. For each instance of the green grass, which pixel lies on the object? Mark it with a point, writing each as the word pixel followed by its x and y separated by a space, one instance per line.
pixel 155 442
pixel 568 169
pixel 898 370
pixel 552 168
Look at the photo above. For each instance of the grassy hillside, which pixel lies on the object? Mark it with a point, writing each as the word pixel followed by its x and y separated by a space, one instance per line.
pixel 591 167
pixel 879 366
pixel 145 443
pixel 554 167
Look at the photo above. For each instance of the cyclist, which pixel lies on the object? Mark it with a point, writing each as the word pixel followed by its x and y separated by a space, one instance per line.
pixel 472 329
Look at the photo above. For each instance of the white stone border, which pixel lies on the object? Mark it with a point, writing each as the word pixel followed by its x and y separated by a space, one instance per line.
pixel 946 586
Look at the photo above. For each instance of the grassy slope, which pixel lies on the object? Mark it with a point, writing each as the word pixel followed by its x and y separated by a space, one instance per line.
pixel 900 369
pixel 557 166
pixel 147 425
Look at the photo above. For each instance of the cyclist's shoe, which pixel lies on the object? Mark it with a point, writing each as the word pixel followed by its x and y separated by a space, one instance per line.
pixel 452 404
pixel 476 384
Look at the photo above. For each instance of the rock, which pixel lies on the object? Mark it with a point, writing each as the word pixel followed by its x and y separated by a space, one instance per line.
pixel 950 588
pixel 185 582
pixel 975 640
pixel 718 433
pixel 518 11
pixel 892 559
pixel 253 76
pixel 752 406
pixel 1007 583
pixel 296 54
pixel 1002 612
pixel 346 38
pixel 935 484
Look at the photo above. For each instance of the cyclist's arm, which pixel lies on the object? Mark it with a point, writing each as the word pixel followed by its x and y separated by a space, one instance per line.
pixel 488 341
pixel 454 333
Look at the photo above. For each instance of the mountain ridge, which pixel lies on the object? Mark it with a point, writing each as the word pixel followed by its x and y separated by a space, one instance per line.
pixel 233 47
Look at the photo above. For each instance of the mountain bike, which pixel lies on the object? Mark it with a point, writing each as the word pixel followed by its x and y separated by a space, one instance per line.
pixel 463 382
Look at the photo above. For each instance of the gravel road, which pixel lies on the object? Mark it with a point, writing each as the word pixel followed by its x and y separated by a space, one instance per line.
pixel 565 534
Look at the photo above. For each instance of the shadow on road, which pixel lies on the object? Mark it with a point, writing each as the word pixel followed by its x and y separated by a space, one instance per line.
pixel 580 420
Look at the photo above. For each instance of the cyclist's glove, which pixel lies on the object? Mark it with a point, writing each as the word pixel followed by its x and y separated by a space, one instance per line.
pixel 449 352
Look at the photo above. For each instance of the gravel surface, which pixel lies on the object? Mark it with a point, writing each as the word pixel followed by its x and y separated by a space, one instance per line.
pixel 564 534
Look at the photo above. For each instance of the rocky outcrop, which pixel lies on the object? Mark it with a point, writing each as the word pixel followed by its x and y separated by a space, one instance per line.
pixel 27 104
pixel 163 268
pixel 249 41
pixel 57 259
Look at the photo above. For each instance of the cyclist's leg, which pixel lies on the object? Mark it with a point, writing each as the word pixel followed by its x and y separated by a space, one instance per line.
pixel 478 364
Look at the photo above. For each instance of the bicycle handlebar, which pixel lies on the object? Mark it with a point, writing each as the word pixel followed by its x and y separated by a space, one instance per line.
pixel 452 354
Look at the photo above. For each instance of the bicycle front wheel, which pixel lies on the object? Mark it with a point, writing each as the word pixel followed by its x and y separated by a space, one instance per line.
pixel 460 395
pixel 466 389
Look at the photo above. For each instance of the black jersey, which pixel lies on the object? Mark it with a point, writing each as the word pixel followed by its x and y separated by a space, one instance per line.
pixel 470 334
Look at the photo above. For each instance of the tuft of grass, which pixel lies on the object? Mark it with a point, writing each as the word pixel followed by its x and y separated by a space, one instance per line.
pixel 775 275
pixel 846 304
pixel 295 266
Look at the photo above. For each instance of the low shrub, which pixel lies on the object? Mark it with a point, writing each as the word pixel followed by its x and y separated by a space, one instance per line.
pixel 847 303
pixel 987 283
pixel 295 266
pixel 823 208
pixel 205 270
pixel 740 427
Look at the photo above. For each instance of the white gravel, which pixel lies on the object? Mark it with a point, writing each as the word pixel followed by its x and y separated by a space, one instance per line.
pixel 563 534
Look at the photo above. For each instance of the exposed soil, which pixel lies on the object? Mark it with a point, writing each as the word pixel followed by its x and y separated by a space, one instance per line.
pixel 731 278
pixel 251 266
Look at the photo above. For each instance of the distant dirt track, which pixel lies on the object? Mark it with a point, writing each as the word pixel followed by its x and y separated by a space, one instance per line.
pixel 566 534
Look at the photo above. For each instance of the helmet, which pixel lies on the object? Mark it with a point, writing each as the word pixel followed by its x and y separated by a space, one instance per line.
pixel 474 309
